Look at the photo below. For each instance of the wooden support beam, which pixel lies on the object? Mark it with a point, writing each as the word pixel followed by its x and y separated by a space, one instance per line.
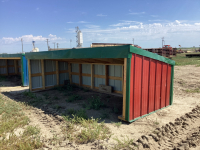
pixel 106 74
pixel 57 72
pixel 69 70
pixel 92 76
pixel 80 74
pixel 15 65
pixel 124 89
pixel 43 75
pixel 29 74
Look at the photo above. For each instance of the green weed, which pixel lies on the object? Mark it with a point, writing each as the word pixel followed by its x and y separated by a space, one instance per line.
pixel 105 115
pixel 73 98
pixel 197 90
pixel 126 143
pixel 95 103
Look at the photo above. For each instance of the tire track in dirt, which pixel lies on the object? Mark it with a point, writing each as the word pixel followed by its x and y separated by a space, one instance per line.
pixel 183 134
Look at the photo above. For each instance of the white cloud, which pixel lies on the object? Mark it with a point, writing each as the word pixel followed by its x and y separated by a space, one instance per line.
pixel 37 8
pixel 101 15
pixel 92 26
pixel 69 22
pixel 154 16
pixel 126 30
pixel 82 22
pixel 29 38
pixel 137 13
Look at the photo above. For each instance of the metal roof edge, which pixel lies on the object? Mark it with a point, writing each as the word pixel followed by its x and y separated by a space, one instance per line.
pixel 151 55
pixel 95 52
pixel 10 55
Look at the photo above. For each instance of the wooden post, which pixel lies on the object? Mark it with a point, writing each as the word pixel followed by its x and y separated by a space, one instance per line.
pixel 29 74
pixel 57 73
pixel 107 74
pixel 70 70
pixel 15 64
pixel 6 67
pixel 124 89
pixel 43 76
pixel 122 78
pixel 92 76
pixel 80 74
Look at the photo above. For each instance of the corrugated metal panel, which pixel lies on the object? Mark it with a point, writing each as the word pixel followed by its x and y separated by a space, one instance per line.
pixel 11 69
pixel 86 68
pixel 36 82
pixel 86 80
pixel 49 66
pixel 158 84
pixel 35 66
pixel 10 62
pixel 75 79
pixel 2 62
pixel 163 85
pixel 75 67
pixel 98 81
pixel 137 86
pixel 116 84
pixel 2 70
pixel 19 62
pixel 62 65
pixel 145 86
pixel 149 86
pixel 152 82
pixel 19 69
pixel 62 77
pixel 168 85
pixel 99 69
pixel 50 80
pixel 115 70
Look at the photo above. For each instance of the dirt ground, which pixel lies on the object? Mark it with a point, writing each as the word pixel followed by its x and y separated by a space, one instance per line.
pixel 176 127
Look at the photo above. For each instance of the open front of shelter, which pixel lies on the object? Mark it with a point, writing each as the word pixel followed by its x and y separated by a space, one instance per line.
pixel 144 79
pixel 14 64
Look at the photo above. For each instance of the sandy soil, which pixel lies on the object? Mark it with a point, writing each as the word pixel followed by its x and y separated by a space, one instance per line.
pixel 176 127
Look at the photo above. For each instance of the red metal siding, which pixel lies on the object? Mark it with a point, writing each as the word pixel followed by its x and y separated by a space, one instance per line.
pixel 137 87
pixel 168 85
pixel 152 86
pixel 164 84
pixel 145 86
pixel 158 84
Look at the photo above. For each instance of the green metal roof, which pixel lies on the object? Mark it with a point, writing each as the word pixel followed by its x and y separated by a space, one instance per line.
pixel 97 52
pixel 10 55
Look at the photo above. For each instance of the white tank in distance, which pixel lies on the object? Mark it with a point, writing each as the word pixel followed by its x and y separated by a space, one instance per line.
pixel 80 37
pixel 35 49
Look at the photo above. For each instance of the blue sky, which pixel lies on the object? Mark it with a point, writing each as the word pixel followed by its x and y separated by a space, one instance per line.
pixel 105 21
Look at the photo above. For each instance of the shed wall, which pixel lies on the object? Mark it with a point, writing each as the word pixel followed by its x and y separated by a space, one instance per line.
pixel 149 86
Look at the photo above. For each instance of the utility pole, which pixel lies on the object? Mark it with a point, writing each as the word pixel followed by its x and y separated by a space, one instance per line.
pixel 57 45
pixel 22 44
pixel 133 41
pixel 162 41
pixel 70 42
pixel 54 44
pixel 48 43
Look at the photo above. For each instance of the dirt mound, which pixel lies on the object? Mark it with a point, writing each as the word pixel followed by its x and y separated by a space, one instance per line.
pixel 183 134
